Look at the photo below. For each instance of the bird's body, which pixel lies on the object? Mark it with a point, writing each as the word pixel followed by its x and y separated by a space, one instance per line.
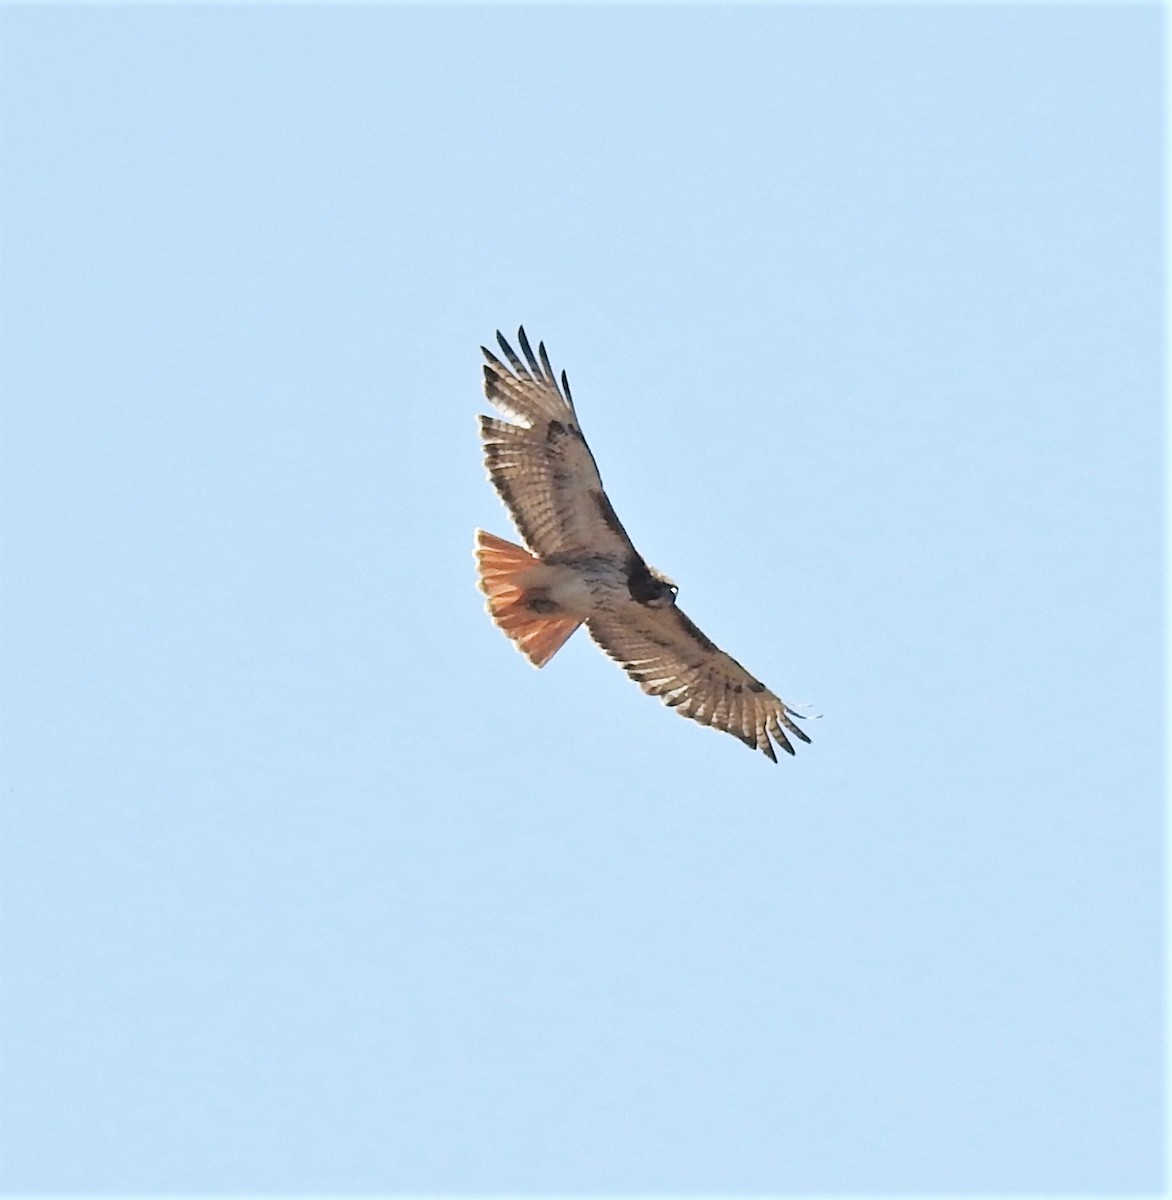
pixel 582 567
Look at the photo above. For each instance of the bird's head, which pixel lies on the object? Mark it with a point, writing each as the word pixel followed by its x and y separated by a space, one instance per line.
pixel 665 590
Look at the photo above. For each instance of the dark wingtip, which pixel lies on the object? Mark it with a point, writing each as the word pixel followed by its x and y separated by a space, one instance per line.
pixel 518 367
pixel 549 374
pixel 785 720
pixel 527 350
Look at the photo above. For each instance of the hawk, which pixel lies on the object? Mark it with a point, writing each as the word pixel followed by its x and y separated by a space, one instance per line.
pixel 582 567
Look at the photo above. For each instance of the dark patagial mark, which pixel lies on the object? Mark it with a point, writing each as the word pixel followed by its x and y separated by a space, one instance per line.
pixel 611 520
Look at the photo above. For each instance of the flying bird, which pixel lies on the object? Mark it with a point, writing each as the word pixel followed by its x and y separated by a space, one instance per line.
pixel 582 567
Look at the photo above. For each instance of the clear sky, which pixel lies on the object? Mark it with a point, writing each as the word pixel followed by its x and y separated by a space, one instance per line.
pixel 311 882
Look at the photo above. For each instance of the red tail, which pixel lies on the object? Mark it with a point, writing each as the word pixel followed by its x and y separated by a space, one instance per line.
pixel 502 568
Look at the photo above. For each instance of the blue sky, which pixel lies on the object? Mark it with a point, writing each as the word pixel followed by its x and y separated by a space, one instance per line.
pixel 311 883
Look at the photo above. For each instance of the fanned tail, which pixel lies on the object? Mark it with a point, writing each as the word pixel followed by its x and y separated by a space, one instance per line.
pixel 502 568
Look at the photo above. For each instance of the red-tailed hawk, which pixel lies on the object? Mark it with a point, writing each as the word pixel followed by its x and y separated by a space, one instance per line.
pixel 583 566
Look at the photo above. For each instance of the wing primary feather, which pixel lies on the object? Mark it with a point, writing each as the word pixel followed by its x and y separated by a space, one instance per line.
pixel 527 350
pixel 779 734
pixel 786 713
pixel 545 363
pixel 785 720
pixel 492 360
pixel 566 389
pixel 511 354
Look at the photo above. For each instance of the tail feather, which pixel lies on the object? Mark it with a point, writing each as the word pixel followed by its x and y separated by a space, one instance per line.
pixel 502 568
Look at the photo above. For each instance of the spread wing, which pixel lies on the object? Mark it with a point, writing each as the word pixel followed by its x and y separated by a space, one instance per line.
pixel 667 656
pixel 540 463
